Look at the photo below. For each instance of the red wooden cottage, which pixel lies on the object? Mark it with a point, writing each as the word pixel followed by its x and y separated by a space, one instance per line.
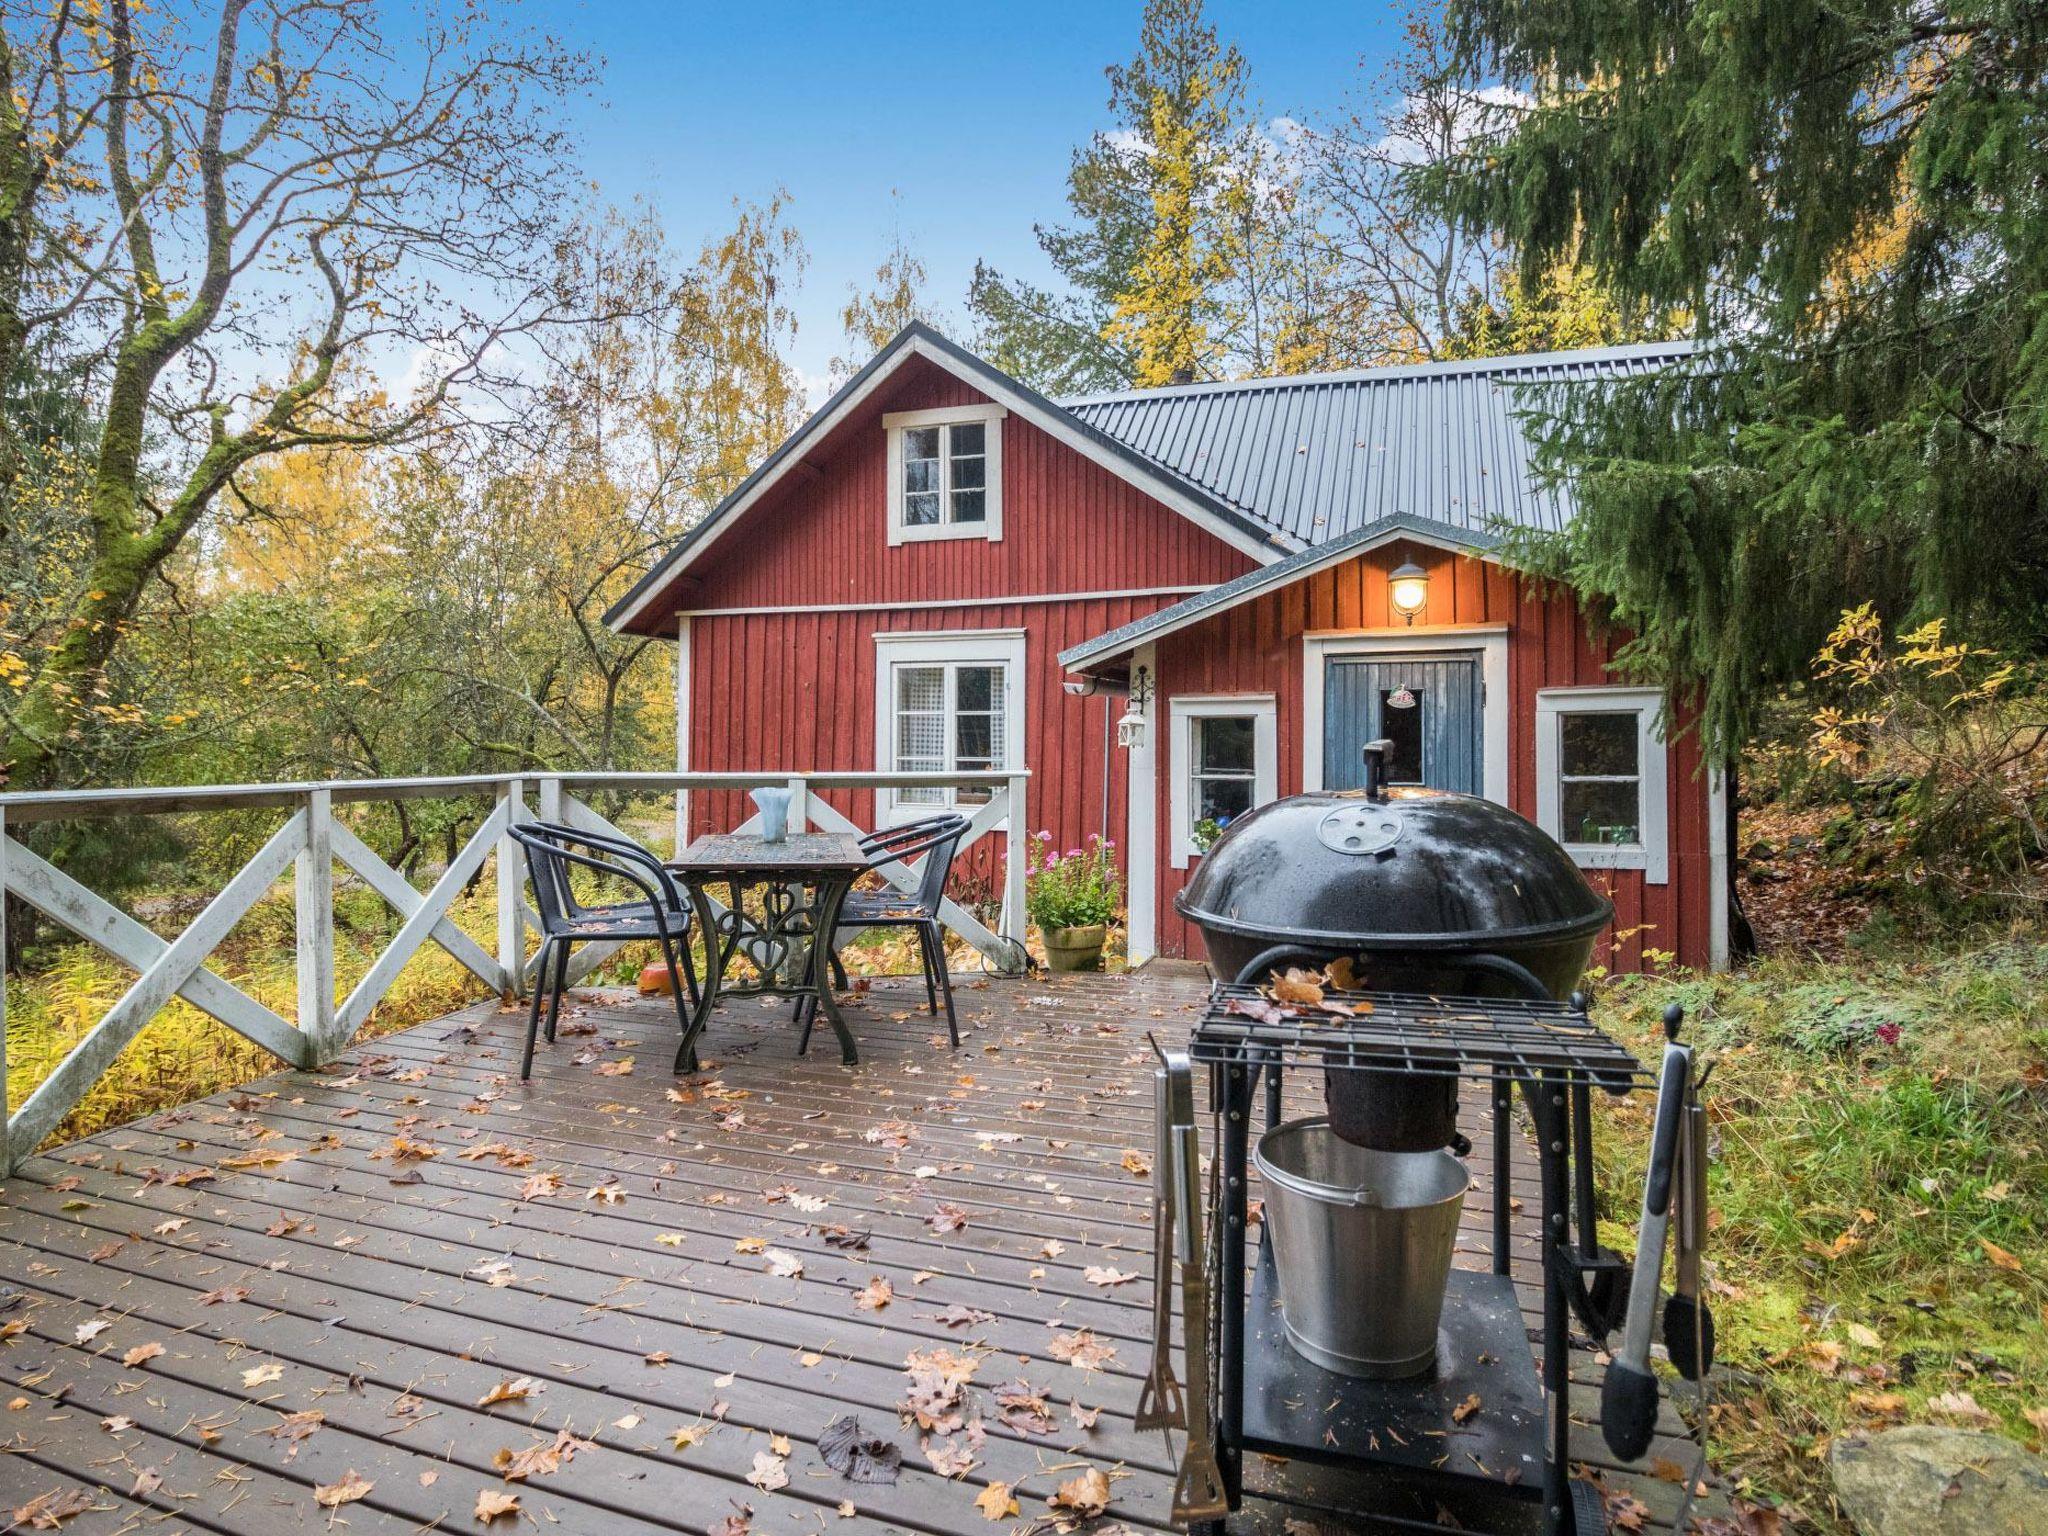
pixel 945 570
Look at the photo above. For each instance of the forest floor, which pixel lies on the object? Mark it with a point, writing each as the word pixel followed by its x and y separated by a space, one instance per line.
pixel 1879 1244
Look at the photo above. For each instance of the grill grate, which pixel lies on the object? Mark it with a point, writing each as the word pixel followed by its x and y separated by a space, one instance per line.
pixel 1404 1032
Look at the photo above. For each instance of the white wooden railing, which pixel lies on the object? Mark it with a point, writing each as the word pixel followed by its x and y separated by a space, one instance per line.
pixel 310 842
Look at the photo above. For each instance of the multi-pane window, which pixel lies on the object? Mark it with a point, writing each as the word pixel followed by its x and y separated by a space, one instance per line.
pixel 1223 752
pixel 1600 777
pixel 1224 773
pixel 946 482
pixel 950 718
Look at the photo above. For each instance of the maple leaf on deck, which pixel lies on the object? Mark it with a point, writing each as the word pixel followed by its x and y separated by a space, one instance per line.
pixel 293 1428
pixel 352 1487
pixel 996 1502
pixel 540 1458
pixel 49 1511
pixel 491 1504
pixel 513 1389
pixel 947 1218
pixel 875 1295
pixel 1082 1350
pixel 1081 1498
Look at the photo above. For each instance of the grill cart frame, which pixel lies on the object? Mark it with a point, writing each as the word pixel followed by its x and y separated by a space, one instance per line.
pixel 1268 1399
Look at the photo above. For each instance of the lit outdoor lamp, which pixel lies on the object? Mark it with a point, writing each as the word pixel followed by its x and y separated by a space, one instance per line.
pixel 1409 588
pixel 1130 730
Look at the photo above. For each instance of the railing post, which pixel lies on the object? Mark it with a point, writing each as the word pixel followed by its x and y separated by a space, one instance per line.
pixel 1016 859
pixel 511 885
pixel 549 797
pixel 799 803
pixel 6 1158
pixel 313 903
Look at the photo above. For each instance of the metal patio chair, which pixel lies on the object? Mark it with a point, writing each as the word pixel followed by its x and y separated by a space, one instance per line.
pixel 553 854
pixel 935 838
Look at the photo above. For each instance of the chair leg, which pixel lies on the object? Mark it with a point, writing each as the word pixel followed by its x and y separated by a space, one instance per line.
pixel 806 1015
pixel 561 985
pixel 540 983
pixel 838 971
pixel 924 953
pixel 937 939
pixel 675 982
pixel 690 969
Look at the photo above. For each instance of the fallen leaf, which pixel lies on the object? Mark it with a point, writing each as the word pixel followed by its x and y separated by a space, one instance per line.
pixel 49 1511
pixel 263 1374
pixel 770 1472
pixel 142 1354
pixel 875 1295
pixel 514 1389
pixel 1961 1407
pixel 1466 1409
pixel 91 1329
pixel 1083 1497
pixel 491 1503
pixel 947 1218
pixel 689 1435
pixel 783 1265
pixel 1082 1350
pixel 1999 1256
pixel 1096 1275
pixel 1137 1163
pixel 352 1486
pixel 996 1502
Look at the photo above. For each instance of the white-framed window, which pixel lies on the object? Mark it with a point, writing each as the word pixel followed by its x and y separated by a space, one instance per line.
pixel 946 702
pixel 1223 755
pixel 945 473
pixel 1601 775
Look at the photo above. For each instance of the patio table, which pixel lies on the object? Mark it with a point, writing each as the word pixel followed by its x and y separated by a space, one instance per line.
pixel 798 884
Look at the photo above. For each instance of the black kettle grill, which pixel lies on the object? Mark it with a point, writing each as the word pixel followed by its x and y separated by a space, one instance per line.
pixel 1433 892
pixel 1470 927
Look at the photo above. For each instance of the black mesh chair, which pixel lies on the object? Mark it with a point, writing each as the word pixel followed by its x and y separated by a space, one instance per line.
pixel 553 855
pixel 935 839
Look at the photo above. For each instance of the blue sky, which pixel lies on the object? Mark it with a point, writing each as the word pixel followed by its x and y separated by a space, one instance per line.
pixel 969 112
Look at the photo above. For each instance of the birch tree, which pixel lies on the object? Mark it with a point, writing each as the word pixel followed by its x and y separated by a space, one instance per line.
pixel 235 208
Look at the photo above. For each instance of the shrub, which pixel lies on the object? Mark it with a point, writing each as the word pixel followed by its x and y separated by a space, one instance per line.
pixel 1074 889
pixel 1949 761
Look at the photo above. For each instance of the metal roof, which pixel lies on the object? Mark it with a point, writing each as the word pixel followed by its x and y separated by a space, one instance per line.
pixel 1322 455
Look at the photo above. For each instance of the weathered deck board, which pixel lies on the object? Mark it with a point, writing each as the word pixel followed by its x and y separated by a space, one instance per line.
pixel 633 1303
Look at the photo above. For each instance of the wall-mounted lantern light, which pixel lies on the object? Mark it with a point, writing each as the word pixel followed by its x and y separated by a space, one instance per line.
pixel 1130 730
pixel 1409 588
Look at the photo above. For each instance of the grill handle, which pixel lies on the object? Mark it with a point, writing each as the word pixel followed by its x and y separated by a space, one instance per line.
pixel 1376 754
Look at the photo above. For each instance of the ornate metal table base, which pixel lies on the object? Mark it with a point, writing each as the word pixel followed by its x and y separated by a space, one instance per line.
pixel 796 902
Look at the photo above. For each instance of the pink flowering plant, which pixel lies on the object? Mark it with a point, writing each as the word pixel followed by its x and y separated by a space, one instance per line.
pixel 1075 889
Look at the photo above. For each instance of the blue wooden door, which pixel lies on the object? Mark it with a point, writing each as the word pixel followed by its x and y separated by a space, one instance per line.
pixel 1428 707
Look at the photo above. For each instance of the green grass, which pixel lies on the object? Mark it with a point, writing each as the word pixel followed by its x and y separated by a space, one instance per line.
pixel 1881 1168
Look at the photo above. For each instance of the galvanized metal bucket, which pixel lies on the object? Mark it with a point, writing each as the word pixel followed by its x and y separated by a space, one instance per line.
pixel 1362 1240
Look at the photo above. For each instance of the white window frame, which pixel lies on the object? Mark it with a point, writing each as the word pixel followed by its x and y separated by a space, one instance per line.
pixel 946 417
pixel 949 648
pixel 1652 853
pixel 1182 713
pixel 1489 642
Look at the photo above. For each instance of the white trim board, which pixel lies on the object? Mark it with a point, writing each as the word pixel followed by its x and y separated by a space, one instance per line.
pixel 948 602
pixel 1652 853
pixel 1182 713
pixel 952 646
pixel 1141 837
pixel 1489 642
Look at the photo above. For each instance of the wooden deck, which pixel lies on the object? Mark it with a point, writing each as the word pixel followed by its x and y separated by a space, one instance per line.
pixel 320 1282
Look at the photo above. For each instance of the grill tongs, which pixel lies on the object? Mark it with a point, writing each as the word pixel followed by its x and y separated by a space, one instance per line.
pixel 1178 1235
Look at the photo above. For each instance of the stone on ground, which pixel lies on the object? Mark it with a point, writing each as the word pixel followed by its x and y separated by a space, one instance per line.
pixel 1925 1480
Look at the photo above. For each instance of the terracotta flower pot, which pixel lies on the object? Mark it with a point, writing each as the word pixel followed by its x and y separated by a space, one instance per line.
pixel 1076 949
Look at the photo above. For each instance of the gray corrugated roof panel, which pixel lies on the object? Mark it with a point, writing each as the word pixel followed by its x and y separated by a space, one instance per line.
pixel 1322 455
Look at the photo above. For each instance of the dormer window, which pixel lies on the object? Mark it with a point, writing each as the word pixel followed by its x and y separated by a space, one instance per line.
pixel 945 473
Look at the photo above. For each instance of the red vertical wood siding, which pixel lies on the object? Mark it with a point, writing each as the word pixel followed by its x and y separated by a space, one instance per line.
pixel 1069 525
pixel 793 689
pixel 1257 648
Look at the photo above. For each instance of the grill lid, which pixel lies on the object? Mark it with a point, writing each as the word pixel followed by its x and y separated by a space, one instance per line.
pixel 1398 869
